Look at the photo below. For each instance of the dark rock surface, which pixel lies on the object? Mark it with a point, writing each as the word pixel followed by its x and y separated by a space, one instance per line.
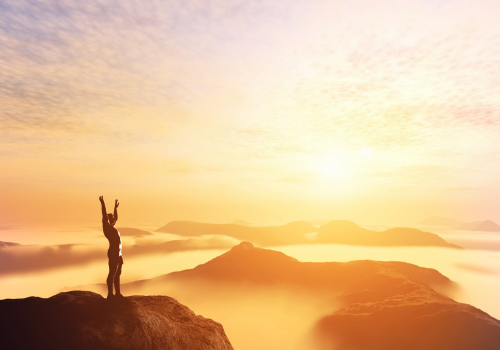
pixel 85 320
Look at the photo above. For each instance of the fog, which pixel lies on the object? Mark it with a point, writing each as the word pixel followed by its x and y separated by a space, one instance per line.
pixel 477 272
pixel 253 316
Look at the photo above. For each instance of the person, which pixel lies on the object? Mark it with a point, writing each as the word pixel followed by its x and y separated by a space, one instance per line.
pixel 115 249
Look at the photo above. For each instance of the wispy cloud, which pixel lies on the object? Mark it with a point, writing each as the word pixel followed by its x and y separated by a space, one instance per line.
pixel 243 91
pixel 19 259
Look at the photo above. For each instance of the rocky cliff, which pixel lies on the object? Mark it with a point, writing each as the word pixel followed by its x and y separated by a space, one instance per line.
pixel 85 320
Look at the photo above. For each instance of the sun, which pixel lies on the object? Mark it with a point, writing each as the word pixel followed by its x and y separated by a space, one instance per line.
pixel 329 169
pixel 329 166
pixel 366 151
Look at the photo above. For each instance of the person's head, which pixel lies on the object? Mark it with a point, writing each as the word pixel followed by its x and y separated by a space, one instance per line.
pixel 111 219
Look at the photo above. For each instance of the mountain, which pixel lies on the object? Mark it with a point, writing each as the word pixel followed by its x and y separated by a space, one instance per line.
pixel 470 226
pixel 440 221
pixel 245 262
pixel 292 233
pixel 383 305
pixel 241 222
pixel 413 319
pixel 85 320
pixel 134 232
pixel 337 231
pixel 318 222
pixel 486 225
pixel 347 232
pixel 489 226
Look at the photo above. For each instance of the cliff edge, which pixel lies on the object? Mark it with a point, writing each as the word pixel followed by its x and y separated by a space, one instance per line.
pixel 85 320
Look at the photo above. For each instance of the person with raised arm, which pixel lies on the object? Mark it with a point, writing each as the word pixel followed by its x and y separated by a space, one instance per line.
pixel 115 248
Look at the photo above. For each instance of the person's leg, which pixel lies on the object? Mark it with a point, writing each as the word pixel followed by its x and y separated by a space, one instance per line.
pixel 112 271
pixel 117 278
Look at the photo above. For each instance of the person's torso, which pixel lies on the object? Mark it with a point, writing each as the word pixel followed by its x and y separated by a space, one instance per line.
pixel 113 236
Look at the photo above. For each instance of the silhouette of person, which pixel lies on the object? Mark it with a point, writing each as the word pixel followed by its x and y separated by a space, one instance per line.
pixel 115 248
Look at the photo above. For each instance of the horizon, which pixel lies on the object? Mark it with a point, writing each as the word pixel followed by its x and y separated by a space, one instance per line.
pixel 385 114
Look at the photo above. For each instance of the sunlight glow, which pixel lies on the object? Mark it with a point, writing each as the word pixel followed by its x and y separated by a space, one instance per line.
pixel 329 166
pixel 366 151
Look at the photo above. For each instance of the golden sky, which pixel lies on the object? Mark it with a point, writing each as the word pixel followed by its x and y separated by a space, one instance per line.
pixel 217 110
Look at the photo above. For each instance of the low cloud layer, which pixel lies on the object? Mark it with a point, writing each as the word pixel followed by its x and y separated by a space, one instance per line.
pixel 21 259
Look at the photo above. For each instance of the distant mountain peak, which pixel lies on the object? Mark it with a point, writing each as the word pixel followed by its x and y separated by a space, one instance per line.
pixel 488 225
pixel 341 225
pixel 241 222
pixel 441 221
pixel 243 246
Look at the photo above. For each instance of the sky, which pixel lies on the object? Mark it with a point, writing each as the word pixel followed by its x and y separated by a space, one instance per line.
pixel 256 110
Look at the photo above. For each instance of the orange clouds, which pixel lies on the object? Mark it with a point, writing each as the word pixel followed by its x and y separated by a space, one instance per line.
pixel 232 105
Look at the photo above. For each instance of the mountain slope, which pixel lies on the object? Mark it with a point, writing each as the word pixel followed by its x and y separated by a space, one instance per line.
pixel 292 233
pixel 347 232
pixel 488 225
pixel 384 305
pixel 299 232
pixel 85 320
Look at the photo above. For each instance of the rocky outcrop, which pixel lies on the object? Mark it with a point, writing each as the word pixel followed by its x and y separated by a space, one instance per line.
pixel 85 320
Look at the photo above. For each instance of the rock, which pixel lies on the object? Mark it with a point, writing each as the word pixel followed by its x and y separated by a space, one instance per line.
pixel 85 320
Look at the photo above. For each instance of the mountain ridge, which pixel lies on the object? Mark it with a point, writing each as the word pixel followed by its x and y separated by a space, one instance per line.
pixel 374 295
pixel 303 232
pixel 485 225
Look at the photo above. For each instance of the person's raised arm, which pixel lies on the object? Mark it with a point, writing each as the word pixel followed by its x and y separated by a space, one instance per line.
pixel 115 214
pixel 103 208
